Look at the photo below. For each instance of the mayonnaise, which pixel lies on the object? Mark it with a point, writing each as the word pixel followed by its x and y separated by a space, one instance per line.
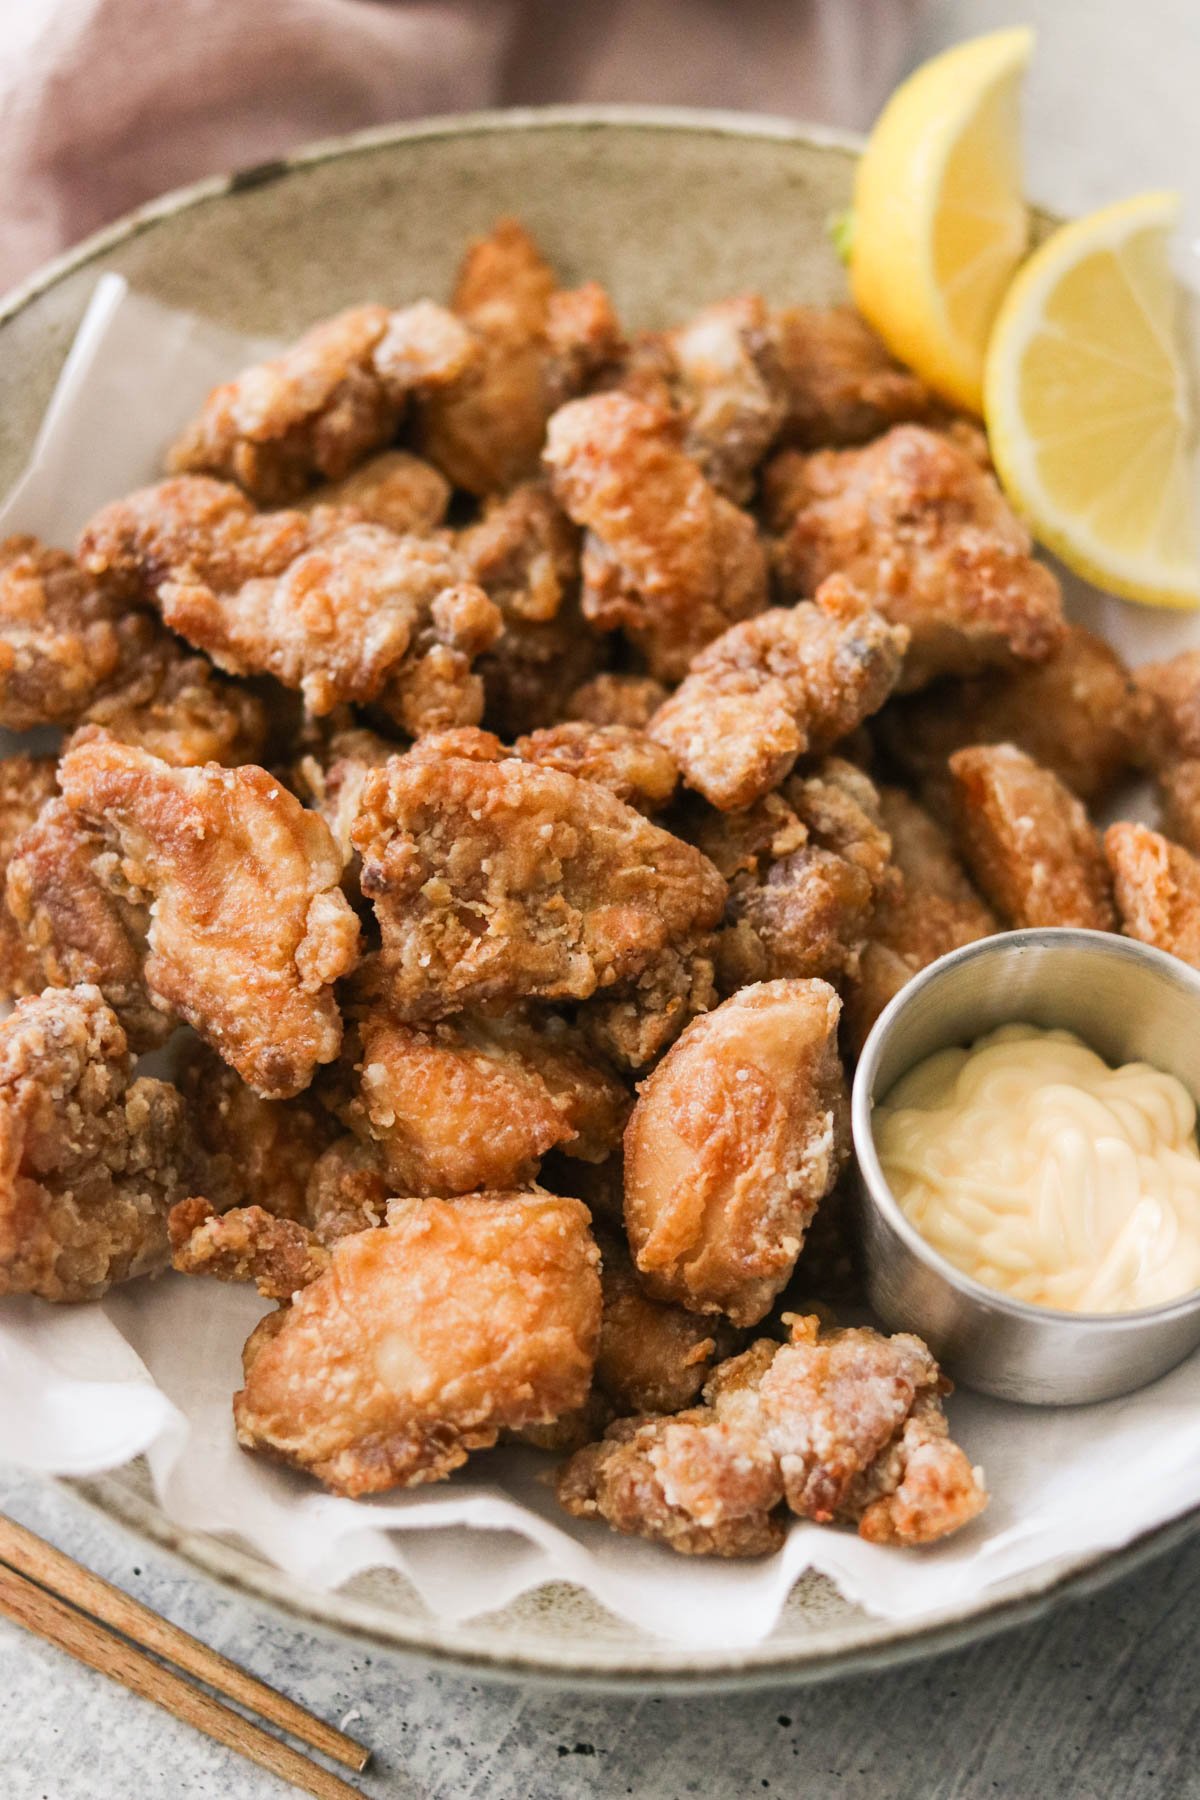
pixel 1034 1167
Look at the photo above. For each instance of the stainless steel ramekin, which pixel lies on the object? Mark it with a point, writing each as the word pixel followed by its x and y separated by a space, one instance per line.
pixel 1129 1003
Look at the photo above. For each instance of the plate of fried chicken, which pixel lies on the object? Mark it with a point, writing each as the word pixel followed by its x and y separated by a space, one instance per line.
pixel 505 763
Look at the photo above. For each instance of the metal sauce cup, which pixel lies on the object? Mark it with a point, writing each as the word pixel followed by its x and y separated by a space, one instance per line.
pixel 1129 1003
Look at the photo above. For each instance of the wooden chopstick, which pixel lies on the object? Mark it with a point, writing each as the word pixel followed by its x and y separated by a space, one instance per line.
pixel 47 1615
pixel 50 1568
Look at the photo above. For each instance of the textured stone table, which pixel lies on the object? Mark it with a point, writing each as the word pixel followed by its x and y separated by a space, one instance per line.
pixel 1101 1701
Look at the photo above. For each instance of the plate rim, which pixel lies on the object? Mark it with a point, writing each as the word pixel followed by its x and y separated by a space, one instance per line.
pixel 333 1614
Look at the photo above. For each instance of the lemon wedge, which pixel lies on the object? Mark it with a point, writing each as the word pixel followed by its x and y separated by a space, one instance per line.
pixel 940 222
pixel 1088 405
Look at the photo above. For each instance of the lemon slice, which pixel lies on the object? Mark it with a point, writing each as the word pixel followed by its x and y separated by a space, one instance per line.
pixel 1088 408
pixel 940 222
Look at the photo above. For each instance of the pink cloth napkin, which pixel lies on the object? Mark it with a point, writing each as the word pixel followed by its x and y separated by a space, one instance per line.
pixel 106 103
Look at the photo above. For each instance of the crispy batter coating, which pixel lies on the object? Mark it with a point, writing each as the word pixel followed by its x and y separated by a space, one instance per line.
pixel 60 636
pixel 425 1339
pixel 1157 888
pixel 331 779
pixel 178 708
pixel 26 783
pixel 797 679
pixel 841 385
pixel 844 1427
pixel 923 528
pixel 396 489
pixel 1179 797
pixel 535 347
pixel 636 1021
pixel 1079 714
pixel 1028 841
pixel 265 1150
pixel 335 396
pixel 730 387
pixel 90 1160
pixel 1172 689
pixel 502 881
pixel 79 922
pixel 346 1191
pixel 927 908
pixel 653 1357
pixel 246 1244
pixel 620 758
pixel 667 558
pixel 327 603
pixel 737 1136
pixel 475 1102
pixel 249 928
pixel 806 866
pixel 629 700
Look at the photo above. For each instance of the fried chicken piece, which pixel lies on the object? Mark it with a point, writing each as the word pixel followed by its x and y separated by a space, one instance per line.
pixel 79 922
pixel 927 908
pixel 332 781
pixel 266 1150
pixel 625 761
pixel 535 347
pixel 327 603
pixel 1157 887
pixel 924 529
pixel 61 638
pixel 346 1191
pixel 322 407
pixel 630 700
pixel 806 866
pixel 475 1102
pixel 26 783
pixel 729 386
pixel 653 1357
pixel 396 489
pixel 736 1138
pixel 1172 689
pixel 841 385
pixel 844 1427
pixel 797 679
pixel 636 1021
pixel 426 1338
pixel 1179 797
pixel 1028 841
pixel 667 557
pixel 1079 714
pixel 92 1160
pixel 178 708
pixel 246 1244
pixel 502 881
pixel 249 928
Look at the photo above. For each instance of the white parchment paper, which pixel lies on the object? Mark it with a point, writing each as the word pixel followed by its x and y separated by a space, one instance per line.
pixel 151 1369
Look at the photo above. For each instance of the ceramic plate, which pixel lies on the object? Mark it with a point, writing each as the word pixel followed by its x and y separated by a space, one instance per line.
pixel 670 210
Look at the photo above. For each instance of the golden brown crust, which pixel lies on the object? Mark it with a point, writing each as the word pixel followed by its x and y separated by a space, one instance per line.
pixel 329 604
pixel 501 881
pixel 26 783
pixel 653 1357
pixel 1079 714
pixel 797 679
pixel 90 1159
pixel 1172 689
pixel 425 1339
pixel 1157 887
pixel 841 385
pixel 634 1022
pixel 265 1150
pixel 730 388
pixel 620 758
pixel 395 488
pixel 346 1192
pixel 246 1244
pixel 629 700
pixel 335 396
pixel 926 908
pixel 667 558
pixel 1179 797
pixel 924 530
pixel 1028 841
pixel 60 636
pixel 845 1427
pixel 737 1135
pixel 476 1102
pixel 249 928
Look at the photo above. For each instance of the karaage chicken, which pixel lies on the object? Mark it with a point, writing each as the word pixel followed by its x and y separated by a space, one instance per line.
pixel 840 385
pixel 1157 888
pixel 396 489
pixel 920 525
pixel 737 1136
pixel 797 679
pixel 843 1427
pixel 1028 841
pixel 621 758
pixel 249 928
pixel 26 783
pixel 264 1150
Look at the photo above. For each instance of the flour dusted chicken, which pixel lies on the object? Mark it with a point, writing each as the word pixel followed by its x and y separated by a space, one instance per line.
pixel 249 928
